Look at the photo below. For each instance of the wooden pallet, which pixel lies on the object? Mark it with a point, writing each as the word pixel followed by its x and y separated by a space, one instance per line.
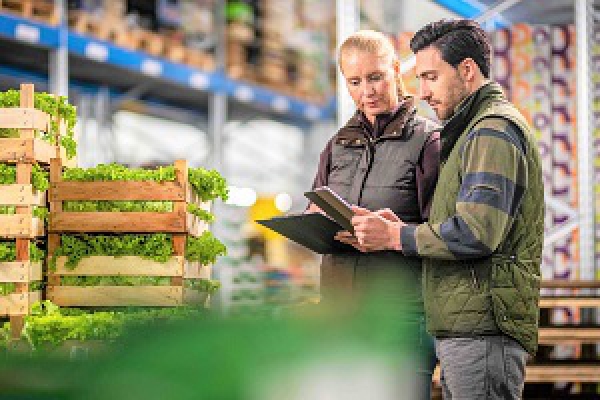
pixel 178 222
pixel 562 335
pixel 576 373
pixel 570 301
pixel 41 10
pixel 569 284
pixel 114 30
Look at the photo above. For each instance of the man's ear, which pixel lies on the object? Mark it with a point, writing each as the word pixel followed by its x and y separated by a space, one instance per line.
pixel 468 69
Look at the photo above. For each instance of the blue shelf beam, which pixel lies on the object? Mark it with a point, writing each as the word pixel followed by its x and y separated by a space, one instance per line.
pixel 100 51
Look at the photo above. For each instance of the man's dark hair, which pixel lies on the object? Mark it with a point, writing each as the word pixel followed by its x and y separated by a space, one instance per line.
pixel 456 40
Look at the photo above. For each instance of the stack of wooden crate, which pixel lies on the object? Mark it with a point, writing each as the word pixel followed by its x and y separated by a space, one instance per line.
pixel 109 23
pixel 179 223
pixel 274 62
pixel 42 10
pixel 22 228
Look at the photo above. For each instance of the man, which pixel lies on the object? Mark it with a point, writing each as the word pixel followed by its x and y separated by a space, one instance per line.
pixel 482 244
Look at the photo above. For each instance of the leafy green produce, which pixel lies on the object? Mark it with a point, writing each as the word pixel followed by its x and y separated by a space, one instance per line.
pixel 200 213
pixel 206 184
pixel 39 177
pixel 38 212
pixel 115 281
pixel 203 285
pixel 49 325
pixel 118 206
pixel 8 252
pixel 55 107
pixel 155 246
pixel 7 288
pixel 205 248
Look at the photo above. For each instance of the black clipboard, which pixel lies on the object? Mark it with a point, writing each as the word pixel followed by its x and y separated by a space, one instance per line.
pixel 313 231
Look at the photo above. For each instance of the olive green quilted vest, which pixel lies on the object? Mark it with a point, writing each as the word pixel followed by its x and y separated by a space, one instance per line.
pixel 499 293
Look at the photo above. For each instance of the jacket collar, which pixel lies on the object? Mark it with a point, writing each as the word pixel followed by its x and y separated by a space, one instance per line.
pixel 465 112
pixel 355 132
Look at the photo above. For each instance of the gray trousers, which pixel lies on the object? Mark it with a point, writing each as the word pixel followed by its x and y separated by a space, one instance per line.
pixel 481 367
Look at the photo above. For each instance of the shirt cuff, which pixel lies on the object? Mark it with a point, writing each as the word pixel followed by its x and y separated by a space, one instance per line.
pixel 408 240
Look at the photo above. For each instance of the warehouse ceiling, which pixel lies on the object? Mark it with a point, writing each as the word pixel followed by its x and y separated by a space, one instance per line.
pixel 537 11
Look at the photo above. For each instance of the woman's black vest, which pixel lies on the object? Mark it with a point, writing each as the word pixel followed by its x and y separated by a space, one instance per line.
pixel 377 173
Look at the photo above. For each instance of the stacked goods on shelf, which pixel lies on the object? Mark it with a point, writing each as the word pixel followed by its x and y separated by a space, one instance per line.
pixel 273 43
pixel 104 20
pixel 42 10
pixel 30 127
pixel 131 237
pixel 108 20
pixel 312 79
pixel 240 37
pixel 197 29
pixel 277 18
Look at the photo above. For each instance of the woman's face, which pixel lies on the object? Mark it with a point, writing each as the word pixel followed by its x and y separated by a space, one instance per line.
pixel 371 81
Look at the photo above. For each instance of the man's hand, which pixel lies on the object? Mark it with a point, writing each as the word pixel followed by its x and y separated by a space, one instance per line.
pixel 373 231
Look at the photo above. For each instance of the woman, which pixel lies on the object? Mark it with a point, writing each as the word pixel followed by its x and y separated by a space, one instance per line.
pixel 385 157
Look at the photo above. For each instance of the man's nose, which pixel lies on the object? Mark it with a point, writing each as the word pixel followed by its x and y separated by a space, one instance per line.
pixel 424 92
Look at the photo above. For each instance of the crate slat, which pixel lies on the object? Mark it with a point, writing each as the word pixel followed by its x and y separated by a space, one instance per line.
pixel 114 296
pixel 124 266
pixel 569 334
pixel 18 303
pixel 563 373
pixel 24 118
pixel 23 195
pixel 570 284
pixel 133 222
pixel 116 191
pixel 20 226
pixel 20 271
pixel 26 150
pixel 585 302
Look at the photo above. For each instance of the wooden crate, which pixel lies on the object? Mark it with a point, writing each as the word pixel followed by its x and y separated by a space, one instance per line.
pixel 179 223
pixel 27 148
pixel 41 10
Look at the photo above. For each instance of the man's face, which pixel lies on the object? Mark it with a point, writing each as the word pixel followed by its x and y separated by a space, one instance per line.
pixel 440 84
pixel 371 81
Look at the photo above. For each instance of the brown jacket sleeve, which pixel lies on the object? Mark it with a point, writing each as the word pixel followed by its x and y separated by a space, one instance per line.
pixel 322 177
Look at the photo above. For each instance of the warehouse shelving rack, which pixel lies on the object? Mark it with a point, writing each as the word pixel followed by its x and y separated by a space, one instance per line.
pixel 71 60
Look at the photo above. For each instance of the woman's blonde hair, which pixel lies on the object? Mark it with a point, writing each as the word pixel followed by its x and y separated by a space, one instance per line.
pixel 375 43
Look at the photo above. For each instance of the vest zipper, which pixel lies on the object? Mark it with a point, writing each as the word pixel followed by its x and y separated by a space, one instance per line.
pixel 475 283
